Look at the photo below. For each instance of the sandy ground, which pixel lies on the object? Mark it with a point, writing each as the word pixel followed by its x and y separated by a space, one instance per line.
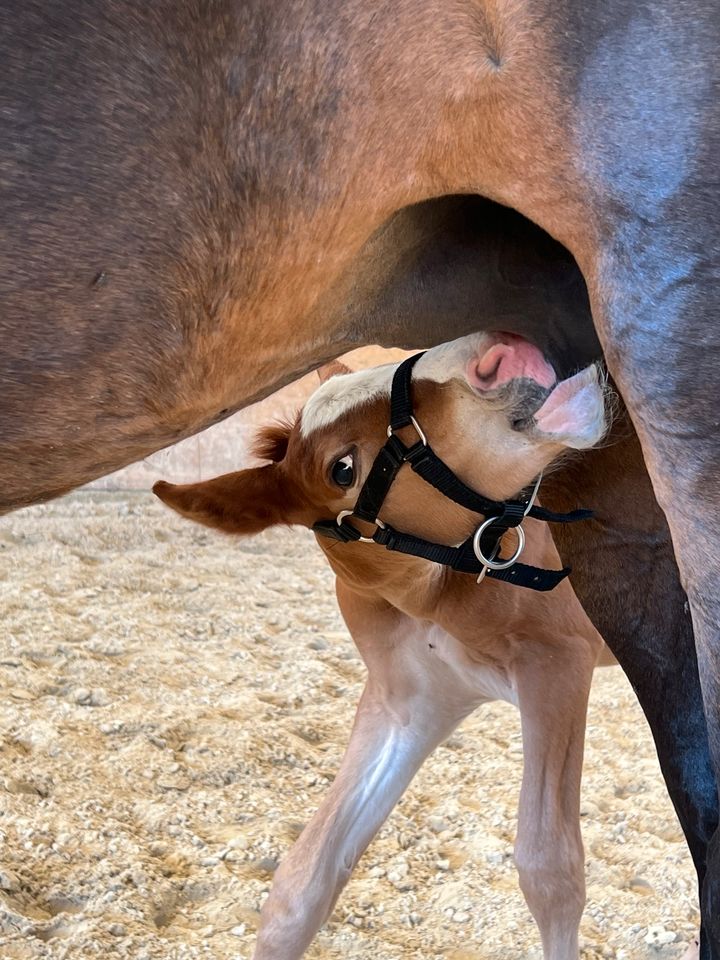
pixel 175 703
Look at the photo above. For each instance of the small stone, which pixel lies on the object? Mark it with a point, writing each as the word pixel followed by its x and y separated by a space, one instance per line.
pixel 99 698
pixel 640 886
pixel 239 930
pixel 20 693
pixel 460 916
pixel 238 843
pixel 437 824
pixel 117 929
pixel 179 783
pixel 23 787
pixel 657 936
pixel 8 881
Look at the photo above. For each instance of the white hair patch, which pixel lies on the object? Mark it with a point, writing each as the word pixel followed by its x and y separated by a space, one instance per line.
pixel 341 394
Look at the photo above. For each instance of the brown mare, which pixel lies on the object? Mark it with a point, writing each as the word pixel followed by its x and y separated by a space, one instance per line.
pixel 201 199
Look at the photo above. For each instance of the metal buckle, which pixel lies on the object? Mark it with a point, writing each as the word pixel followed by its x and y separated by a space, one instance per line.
pixel 490 563
pixel 418 428
pixel 348 513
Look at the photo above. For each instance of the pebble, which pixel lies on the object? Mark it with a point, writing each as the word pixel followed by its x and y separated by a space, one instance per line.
pixel 239 930
pixel 657 936
pixel 641 886
pixel 20 693
pixel 91 698
pixel 437 824
pixel 23 787
pixel 179 783
pixel 8 881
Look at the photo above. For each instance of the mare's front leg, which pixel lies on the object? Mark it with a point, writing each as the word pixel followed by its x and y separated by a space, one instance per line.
pixel 409 705
pixel 553 683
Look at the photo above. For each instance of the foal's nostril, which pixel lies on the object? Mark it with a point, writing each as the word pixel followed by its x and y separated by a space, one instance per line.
pixel 486 375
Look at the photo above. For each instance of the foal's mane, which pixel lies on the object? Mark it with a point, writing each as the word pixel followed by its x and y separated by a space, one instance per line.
pixel 271 443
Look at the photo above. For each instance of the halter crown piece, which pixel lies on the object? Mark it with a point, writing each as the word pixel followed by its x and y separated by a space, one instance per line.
pixel 479 554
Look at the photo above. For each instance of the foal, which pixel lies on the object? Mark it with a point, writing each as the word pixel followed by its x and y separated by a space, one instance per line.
pixel 435 641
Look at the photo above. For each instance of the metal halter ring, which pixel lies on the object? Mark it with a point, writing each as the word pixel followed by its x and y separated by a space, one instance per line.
pixel 418 428
pixel 348 513
pixel 497 564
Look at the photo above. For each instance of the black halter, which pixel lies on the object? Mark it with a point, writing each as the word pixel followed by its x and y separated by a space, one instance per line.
pixel 479 553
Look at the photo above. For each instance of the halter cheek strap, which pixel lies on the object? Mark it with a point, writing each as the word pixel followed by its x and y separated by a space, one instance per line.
pixel 479 554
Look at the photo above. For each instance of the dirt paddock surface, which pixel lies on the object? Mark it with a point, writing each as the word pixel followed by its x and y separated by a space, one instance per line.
pixel 175 704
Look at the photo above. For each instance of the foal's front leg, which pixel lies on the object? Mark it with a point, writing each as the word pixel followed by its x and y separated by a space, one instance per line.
pixel 553 688
pixel 409 705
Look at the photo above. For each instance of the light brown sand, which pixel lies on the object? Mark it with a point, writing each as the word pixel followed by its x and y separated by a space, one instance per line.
pixel 175 703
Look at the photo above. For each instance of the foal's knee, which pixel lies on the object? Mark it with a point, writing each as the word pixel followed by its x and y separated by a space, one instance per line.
pixel 552 879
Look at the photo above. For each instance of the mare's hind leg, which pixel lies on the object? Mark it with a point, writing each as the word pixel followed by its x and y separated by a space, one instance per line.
pixel 409 705
pixel 553 684
pixel 626 577
pixel 663 347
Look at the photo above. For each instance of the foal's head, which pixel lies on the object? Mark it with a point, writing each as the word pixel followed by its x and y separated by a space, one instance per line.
pixel 489 405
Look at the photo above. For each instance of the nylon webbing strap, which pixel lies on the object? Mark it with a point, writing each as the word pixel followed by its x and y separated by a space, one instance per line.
pixel 378 482
pixel 463 560
pixel 549 516
pixel 401 393
pixel 428 465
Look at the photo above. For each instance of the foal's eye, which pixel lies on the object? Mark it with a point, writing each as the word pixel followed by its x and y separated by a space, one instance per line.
pixel 343 471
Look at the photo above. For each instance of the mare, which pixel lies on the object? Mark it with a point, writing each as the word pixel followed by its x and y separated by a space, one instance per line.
pixel 200 200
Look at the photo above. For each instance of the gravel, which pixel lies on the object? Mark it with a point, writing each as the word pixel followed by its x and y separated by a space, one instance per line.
pixel 175 703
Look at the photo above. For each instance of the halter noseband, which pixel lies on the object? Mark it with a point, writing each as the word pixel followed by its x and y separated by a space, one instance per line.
pixel 479 554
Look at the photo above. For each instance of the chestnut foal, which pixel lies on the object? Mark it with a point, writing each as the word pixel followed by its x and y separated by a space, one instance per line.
pixel 435 641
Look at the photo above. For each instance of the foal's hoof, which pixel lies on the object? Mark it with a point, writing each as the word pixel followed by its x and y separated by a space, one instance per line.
pixel 693 950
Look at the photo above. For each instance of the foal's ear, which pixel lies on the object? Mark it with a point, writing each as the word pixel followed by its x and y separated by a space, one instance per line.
pixel 244 502
pixel 333 369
